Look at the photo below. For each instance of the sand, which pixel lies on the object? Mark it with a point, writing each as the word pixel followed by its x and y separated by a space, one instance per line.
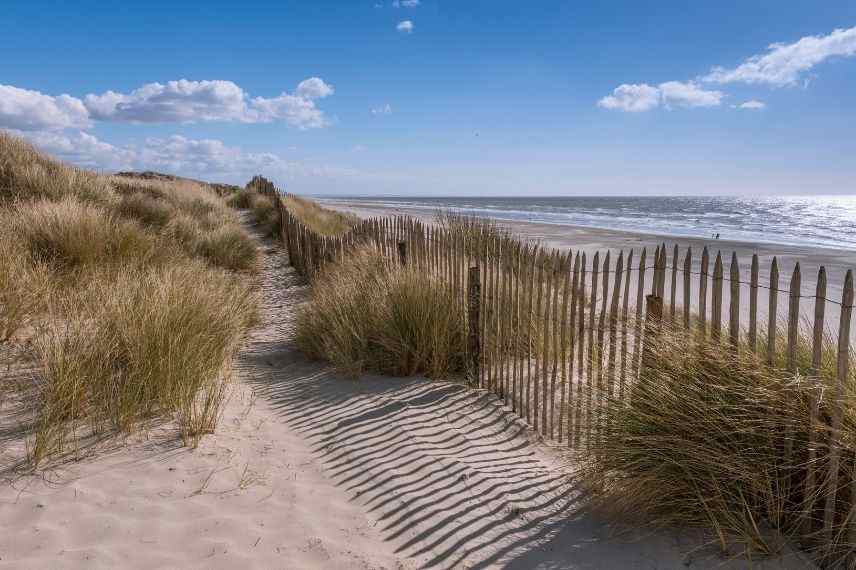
pixel 590 240
pixel 310 470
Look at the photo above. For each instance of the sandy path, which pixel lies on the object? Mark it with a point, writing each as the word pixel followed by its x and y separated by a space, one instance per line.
pixel 308 470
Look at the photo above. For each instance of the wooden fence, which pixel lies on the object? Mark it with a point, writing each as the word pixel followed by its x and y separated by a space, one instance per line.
pixel 554 332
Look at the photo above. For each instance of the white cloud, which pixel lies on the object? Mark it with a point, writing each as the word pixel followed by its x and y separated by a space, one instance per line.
pixel 206 159
pixel 753 104
pixel 314 88
pixel 643 97
pixel 81 149
pixel 185 101
pixel 405 27
pixel 632 98
pixel 783 64
pixel 27 110
pixel 382 110
pixel 688 94
pixel 405 3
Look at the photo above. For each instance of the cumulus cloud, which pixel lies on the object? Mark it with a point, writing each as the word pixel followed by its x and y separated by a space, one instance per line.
pixel 27 110
pixel 382 110
pixel 196 158
pixel 753 104
pixel 81 149
pixel 186 101
pixel 405 26
pixel 314 88
pixel 783 64
pixel 643 97
pixel 179 101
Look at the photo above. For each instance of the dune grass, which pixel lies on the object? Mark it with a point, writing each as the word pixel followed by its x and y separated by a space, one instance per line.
pixel 716 439
pixel 367 315
pixel 131 291
pixel 322 220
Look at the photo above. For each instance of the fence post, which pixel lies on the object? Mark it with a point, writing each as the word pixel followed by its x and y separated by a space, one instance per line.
pixel 473 313
pixel 402 253
pixel 653 318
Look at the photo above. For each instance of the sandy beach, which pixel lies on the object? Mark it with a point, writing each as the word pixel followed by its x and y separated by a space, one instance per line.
pixel 590 240
pixel 311 470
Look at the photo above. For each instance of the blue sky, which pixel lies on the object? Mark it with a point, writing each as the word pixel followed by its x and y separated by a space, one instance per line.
pixel 445 98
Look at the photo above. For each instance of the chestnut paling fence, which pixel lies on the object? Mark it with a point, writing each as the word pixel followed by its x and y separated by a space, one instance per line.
pixel 553 332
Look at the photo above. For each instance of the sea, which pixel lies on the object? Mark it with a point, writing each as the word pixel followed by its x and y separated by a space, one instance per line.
pixel 823 221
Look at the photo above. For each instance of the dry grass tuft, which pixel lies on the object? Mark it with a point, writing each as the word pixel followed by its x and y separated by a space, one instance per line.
pixel 143 344
pixel 717 440
pixel 366 315
pixel 129 289
pixel 27 174
pixel 325 221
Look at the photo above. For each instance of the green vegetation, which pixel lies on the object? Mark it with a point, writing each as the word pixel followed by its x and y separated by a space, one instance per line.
pixel 367 315
pixel 131 291
pixel 717 439
pixel 321 220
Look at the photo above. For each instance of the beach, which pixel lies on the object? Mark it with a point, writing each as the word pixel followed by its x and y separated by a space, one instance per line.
pixel 591 240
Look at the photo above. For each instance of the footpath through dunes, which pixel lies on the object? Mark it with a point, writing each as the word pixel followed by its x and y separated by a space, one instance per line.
pixel 446 475
pixel 309 470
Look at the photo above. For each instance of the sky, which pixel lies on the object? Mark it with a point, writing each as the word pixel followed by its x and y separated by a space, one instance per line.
pixel 442 97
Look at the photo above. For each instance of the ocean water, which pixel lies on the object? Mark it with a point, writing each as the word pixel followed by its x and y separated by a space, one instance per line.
pixel 827 221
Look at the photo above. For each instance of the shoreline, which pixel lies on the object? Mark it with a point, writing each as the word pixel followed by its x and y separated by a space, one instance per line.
pixel 589 240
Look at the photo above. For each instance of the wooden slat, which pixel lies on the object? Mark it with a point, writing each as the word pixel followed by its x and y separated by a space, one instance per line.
pixel 613 324
pixel 600 369
pixel 572 336
pixel 508 319
pixel 793 318
pixel 716 300
pixel 539 313
pixel 581 341
pixel 674 290
pixel 734 303
pixel 563 352
pixel 558 281
pixel 546 330
pixel 640 300
pixel 753 305
pixel 591 348
pixel 688 266
pixel 624 326
pixel 773 318
pixel 842 372
pixel 816 354
pixel 530 325
pixel 702 291
pixel 515 327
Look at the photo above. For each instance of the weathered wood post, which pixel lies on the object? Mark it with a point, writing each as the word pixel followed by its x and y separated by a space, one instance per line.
pixel 653 321
pixel 402 253
pixel 473 315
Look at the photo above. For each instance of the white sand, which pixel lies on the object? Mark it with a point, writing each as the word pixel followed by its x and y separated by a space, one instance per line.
pixel 308 470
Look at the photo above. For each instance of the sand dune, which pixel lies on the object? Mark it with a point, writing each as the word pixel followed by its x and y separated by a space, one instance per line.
pixel 309 470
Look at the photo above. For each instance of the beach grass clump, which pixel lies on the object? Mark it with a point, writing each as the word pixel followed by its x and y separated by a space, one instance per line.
pixel 23 284
pixel 130 290
pixel 27 174
pixel 144 344
pixel 322 220
pixel 716 439
pixel 68 234
pixel 367 315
